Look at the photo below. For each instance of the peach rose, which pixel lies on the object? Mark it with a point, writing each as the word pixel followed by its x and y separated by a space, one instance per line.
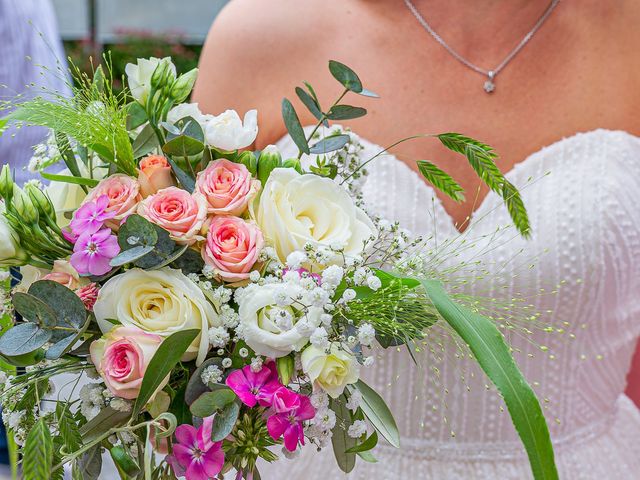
pixel 64 274
pixel 124 196
pixel 178 212
pixel 154 174
pixel 227 186
pixel 232 247
pixel 121 358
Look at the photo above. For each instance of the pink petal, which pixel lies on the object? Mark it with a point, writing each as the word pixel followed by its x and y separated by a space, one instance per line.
pixel 276 425
pixel 237 382
pixel 187 435
pixel 98 265
pixel 204 434
pixel 79 261
pixel 182 454
pixel 196 471
pixel 306 410
pixel 110 247
pixel 213 460
pixel 291 436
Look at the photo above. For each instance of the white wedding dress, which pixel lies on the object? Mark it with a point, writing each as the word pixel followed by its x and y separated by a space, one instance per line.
pixel 586 234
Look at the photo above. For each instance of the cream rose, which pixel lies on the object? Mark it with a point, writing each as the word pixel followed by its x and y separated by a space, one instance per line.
pixel 272 330
pixel 161 302
pixel 11 253
pixel 296 209
pixel 332 371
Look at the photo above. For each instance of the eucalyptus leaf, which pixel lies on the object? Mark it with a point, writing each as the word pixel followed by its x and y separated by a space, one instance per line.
pixel 310 103
pixel 196 387
pixel 170 258
pixel 183 146
pixel 69 309
pixel 191 128
pixel 346 112
pixel 34 310
pixel 368 93
pixel 225 421
pixel 23 339
pixel 61 347
pixel 25 360
pixel 330 144
pixel 211 402
pixel 189 262
pixel 493 355
pixel 131 255
pixel 345 76
pixel 187 182
pixel 136 116
pixel 294 127
pixel 164 360
pixel 162 252
pixel 137 231
pixel 145 142
pixel 378 413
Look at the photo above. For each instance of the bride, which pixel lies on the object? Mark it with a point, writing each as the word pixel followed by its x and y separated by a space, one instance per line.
pixel 563 99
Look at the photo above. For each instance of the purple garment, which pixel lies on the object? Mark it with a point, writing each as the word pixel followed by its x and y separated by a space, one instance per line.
pixel 31 55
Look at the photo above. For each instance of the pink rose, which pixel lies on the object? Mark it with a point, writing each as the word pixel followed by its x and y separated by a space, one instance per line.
pixel 227 186
pixel 124 195
pixel 121 358
pixel 178 212
pixel 64 274
pixel 154 174
pixel 232 247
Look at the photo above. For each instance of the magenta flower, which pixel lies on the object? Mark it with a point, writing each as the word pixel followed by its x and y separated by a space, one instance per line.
pixel 289 410
pixel 90 217
pixel 93 251
pixel 252 387
pixel 194 455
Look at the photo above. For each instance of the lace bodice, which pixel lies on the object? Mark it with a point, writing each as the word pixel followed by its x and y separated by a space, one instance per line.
pixel 580 270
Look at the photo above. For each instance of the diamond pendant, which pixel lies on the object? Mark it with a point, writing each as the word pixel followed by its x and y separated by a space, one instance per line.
pixel 489 85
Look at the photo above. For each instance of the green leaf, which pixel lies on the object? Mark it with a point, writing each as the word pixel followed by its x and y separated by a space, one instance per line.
pixel 68 427
pixel 163 251
pixel 25 360
pixel 187 182
pixel 493 355
pixel 367 445
pixel 34 309
pixel 124 461
pixel 164 360
pixel 378 413
pixel 90 464
pixel 136 116
pixel 292 122
pixel 225 421
pixel 345 76
pixel 67 154
pixel 131 255
pixel 368 93
pixel 183 146
pixel 196 387
pixel 98 425
pixel 330 144
pixel 516 208
pixel 69 309
pixel 38 453
pixel 285 366
pixel 441 180
pixel 346 112
pixel 191 128
pixel 189 262
pixel 145 142
pixel 137 231
pixel 367 457
pixel 210 402
pixel 340 440
pixel 88 182
pixel 23 338
pixel 310 103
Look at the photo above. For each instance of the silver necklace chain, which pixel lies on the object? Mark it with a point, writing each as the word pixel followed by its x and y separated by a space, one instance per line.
pixel 489 85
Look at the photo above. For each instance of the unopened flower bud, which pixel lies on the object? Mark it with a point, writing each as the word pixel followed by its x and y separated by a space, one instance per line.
pixel 183 85
pixel 270 158
pixel 23 206
pixel 6 183
pixel 293 163
pixel 249 160
pixel 161 74
pixel 40 200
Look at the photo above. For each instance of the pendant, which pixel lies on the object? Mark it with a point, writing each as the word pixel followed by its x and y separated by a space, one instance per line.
pixel 489 85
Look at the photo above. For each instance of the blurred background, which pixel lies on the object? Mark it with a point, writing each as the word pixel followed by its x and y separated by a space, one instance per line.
pixel 131 29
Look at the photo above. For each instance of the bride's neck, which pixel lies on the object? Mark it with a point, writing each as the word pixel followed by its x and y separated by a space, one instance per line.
pixel 487 25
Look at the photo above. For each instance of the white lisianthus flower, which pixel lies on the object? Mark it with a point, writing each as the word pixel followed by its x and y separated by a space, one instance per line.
pixel 139 76
pixel 188 110
pixel 161 302
pixel 332 371
pixel 294 210
pixel 11 253
pixel 227 132
pixel 269 329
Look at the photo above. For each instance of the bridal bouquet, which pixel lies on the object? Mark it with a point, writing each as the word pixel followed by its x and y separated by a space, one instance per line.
pixel 190 306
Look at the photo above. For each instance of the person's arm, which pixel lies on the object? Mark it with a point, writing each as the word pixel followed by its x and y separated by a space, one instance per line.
pixel 633 378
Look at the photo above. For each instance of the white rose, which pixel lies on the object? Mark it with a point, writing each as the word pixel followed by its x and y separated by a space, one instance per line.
pixel 160 301
pixel 295 209
pixel 11 252
pixel 272 330
pixel 188 110
pixel 332 371
pixel 227 132
pixel 139 76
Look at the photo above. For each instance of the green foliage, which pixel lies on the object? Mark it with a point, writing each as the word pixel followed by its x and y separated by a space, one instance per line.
pixel 377 412
pixel 285 367
pixel 493 355
pixel 98 425
pixel 368 444
pixel 165 359
pixel 124 461
pixel 225 421
pixel 68 427
pixel 38 453
pixel 441 180
pixel 345 76
pixel 292 122
pixel 330 144
pixel 340 440
pixel 482 158
pixel 88 182
pixel 211 402
pixel 345 112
